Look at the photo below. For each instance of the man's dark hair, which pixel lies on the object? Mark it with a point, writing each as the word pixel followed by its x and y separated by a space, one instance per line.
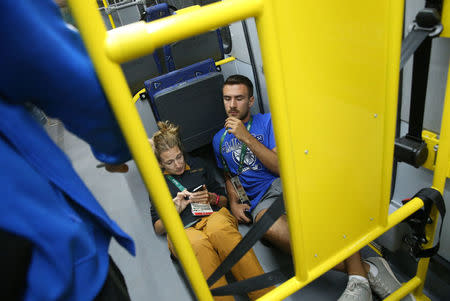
pixel 238 79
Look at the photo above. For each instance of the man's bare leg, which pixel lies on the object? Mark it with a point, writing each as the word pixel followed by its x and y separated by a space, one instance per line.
pixel 278 234
pixel 355 266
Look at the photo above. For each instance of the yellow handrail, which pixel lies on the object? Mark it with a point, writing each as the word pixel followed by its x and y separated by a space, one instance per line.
pixel 138 95
pixel 105 4
pixel 224 61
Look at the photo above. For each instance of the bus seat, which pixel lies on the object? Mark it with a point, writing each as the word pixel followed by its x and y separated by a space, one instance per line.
pixel 192 98
pixel 143 68
pixel 189 51
pixel 138 70
pixel 195 49
pixel 156 12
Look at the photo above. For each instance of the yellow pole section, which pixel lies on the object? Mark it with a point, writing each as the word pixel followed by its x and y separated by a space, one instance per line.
pixel 440 175
pixel 105 4
pixel 375 249
pixel 396 12
pixel 276 88
pixel 137 95
pixel 224 61
pixel 404 290
pixel 446 20
pixel 137 39
pixel 93 32
pixel 294 284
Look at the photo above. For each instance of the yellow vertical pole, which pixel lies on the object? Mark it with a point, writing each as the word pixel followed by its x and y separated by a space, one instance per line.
pixel 93 32
pixel 105 4
pixel 266 26
pixel 440 175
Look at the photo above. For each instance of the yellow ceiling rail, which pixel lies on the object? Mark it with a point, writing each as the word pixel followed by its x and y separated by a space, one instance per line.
pixel 137 39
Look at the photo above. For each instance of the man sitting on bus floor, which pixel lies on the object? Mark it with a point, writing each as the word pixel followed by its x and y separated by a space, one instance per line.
pixel 245 149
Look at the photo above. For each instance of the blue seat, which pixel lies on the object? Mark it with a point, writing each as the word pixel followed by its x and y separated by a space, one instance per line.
pixel 140 69
pixel 189 51
pixel 194 49
pixel 192 98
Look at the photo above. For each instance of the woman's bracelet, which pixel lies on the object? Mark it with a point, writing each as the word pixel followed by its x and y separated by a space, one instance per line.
pixel 217 198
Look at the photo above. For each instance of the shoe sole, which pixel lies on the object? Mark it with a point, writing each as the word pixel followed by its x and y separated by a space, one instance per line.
pixel 388 268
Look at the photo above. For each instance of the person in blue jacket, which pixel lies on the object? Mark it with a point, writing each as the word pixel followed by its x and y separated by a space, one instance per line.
pixel 54 235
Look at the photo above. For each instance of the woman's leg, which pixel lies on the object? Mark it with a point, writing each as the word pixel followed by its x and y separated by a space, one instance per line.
pixel 222 230
pixel 206 255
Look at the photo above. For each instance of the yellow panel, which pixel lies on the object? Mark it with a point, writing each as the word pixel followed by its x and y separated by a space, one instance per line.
pixel 332 73
pixel 446 19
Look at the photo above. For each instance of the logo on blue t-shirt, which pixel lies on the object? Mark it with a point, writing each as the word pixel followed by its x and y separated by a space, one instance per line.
pixel 235 146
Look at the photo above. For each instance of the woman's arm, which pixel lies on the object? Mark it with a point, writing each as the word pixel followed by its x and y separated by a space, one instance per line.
pixel 180 201
pixel 159 227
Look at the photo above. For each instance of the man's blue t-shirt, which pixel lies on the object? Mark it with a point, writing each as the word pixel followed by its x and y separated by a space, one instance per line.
pixel 255 177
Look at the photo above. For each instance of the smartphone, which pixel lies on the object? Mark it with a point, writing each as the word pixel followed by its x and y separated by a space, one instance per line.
pixel 198 188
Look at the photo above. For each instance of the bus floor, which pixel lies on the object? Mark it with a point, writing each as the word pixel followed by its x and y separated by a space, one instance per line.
pixel 151 274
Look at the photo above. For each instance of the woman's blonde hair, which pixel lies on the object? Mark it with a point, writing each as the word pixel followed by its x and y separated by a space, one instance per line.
pixel 166 138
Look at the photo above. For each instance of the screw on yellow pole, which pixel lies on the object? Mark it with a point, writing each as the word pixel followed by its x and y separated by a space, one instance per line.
pixel 105 4
pixel 93 32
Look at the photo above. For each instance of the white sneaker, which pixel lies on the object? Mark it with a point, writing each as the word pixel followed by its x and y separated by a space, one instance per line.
pixel 356 290
pixel 385 282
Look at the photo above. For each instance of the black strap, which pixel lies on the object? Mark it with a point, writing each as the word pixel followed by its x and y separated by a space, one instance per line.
pixel 421 65
pixel 410 45
pixel 411 148
pixel 431 196
pixel 252 236
pixel 255 283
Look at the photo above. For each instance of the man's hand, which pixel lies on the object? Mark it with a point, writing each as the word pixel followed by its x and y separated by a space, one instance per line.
pixel 122 168
pixel 236 127
pixel 181 200
pixel 238 212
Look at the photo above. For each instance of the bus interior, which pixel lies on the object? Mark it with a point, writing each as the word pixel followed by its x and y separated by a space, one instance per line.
pixel 180 79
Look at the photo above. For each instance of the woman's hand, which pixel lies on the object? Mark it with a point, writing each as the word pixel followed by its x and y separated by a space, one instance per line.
pixel 202 196
pixel 182 200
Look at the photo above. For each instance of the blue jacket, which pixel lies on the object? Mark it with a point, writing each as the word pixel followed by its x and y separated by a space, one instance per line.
pixel 43 200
